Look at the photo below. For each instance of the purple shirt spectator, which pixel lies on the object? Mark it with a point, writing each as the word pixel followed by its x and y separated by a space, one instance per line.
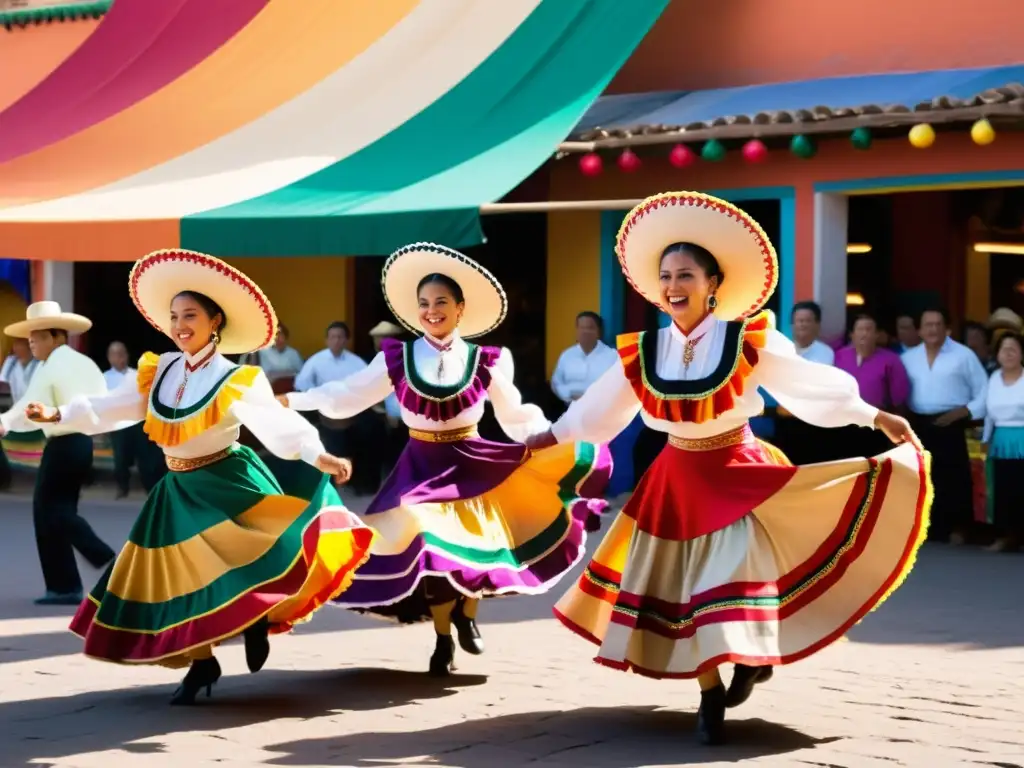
pixel 881 376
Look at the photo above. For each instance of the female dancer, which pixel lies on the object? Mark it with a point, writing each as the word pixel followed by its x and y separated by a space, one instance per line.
pixel 726 552
pixel 220 548
pixel 460 517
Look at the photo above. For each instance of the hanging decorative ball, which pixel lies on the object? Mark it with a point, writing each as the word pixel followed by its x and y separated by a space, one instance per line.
pixel 861 138
pixel 713 151
pixel 629 162
pixel 591 164
pixel 922 136
pixel 682 156
pixel 982 133
pixel 754 151
pixel 802 147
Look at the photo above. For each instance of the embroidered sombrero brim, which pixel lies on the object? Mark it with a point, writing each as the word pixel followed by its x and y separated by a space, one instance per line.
pixel 486 304
pixel 744 252
pixel 157 278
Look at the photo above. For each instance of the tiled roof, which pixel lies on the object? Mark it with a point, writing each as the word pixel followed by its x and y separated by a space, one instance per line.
pixel 616 121
pixel 15 15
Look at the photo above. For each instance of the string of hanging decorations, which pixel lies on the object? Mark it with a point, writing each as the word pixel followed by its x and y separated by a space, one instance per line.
pixel 920 136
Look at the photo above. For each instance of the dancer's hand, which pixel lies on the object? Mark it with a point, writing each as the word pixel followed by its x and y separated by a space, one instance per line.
pixel 339 469
pixel 283 400
pixel 541 440
pixel 41 414
pixel 896 428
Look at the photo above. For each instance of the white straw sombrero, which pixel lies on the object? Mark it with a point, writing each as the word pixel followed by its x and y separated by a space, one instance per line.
pixel 486 304
pixel 384 328
pixel 44 315
pixel 743 250
pixel 157 278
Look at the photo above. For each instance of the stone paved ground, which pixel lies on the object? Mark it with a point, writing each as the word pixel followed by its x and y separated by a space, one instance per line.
pixel 933 680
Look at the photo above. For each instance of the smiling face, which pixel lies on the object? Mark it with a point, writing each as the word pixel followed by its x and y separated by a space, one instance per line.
pixel 191 326
pixel 1009 354
pixel 439 311
pixel 685 289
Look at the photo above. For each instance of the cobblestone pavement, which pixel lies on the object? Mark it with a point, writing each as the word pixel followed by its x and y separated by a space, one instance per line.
pixel 933 680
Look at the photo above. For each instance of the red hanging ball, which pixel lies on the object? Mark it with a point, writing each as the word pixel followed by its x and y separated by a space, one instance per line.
pixel 629 162
pixel 682 156
pixel 591 164
pixel 754 151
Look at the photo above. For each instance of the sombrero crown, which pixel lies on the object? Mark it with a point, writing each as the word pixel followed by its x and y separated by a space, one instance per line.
pixel 160 276
pixel 486 304
pixel 743 251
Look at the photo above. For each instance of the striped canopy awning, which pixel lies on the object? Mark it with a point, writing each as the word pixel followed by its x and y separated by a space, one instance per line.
pixel 298 127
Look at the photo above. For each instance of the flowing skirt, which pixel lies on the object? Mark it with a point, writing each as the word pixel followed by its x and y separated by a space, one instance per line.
pixel 215 550
pixel 735 555
pixel 484 518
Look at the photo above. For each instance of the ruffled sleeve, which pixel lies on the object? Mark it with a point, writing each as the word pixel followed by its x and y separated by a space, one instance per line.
pixel 818 394
pixel 519 420
pixel 116 409
pixel 607 407
pixel 283 432
pixel 349 397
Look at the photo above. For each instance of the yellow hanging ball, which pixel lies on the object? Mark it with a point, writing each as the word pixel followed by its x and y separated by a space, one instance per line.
pixel 922 136
pixel 982 133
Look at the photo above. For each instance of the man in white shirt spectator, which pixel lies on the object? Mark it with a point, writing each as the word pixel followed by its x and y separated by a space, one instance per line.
pixel 582 364
pixel 947 392
pixel 340 436
pixel 124 440
pixel 280 362
pixel 15 374
pixel 806 322
pixel 63 374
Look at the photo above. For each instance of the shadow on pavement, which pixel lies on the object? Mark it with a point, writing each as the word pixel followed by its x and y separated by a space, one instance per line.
pixel 33 731
pixel 595 737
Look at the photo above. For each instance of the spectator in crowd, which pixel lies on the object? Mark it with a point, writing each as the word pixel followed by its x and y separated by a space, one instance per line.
pixel 582 364
pixel 947 393
pixel 978 339
pixel 341 436
pixel 804 443
pixel 388 413
pixel 15 375
pixel 280 361
pixel 907 336
pixel 124 441
pixel 1004 438
pixel 882 381
pixel 806 322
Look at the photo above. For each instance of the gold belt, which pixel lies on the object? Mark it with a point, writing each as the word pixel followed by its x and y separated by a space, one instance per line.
pixel 189 465
pixel 446 436
pixel 725 440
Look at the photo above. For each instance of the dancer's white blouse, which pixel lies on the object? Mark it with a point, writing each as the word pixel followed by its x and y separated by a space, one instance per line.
pixel 362 390
pixel 282 431
pixel 818 394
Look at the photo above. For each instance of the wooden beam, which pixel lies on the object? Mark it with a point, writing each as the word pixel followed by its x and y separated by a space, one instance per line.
pixel 558 205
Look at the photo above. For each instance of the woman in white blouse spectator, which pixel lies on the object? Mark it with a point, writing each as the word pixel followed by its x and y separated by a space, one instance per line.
pixel 1004 437
pixel 583 363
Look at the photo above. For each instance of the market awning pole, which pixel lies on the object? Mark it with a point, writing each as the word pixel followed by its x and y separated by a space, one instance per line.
pixel 558 205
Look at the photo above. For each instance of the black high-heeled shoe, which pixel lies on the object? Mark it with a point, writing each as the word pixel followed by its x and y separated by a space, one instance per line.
pixel 711 716
pixel 744 678
pixel 257 644
pixel 442 662
pixel 202 674
pixel 469 635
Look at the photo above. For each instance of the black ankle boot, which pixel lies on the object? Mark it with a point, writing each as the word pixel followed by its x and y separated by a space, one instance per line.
pixel 744 678
pixel 469 635
pixel 442 662
pixel 257 644
pixel 711 716
pixel 202 674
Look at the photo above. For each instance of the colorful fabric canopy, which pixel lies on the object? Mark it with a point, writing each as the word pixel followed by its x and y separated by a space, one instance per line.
pixel 275 127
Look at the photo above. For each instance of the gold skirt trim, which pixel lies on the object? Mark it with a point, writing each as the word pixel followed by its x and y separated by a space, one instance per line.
pixel 446 436
pixel 190 465
pixel 728 439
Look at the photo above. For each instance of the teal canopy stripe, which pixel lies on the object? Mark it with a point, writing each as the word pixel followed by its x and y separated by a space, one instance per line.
pixel 427 179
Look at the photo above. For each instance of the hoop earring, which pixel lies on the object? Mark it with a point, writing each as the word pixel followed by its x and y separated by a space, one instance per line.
pixel 215 338
pixel 712 302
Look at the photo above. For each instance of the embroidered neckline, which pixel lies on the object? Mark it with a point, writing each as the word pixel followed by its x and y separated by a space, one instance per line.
pixel 440 392
pixel 691 389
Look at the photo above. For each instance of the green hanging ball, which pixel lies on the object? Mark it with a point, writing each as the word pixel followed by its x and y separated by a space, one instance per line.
pixel 713 151
pixel 802 147
pixel 861 138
